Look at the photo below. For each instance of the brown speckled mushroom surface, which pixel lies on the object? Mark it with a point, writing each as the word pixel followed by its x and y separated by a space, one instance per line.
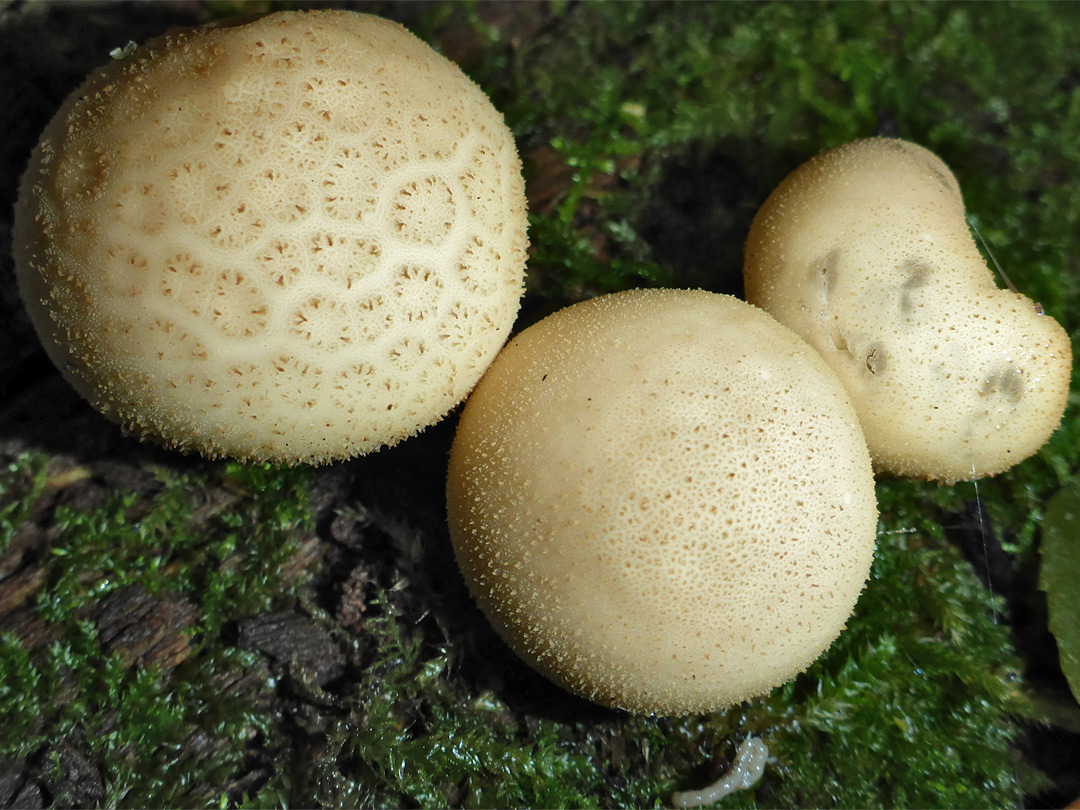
pixel 298 239
pixel 866 253
pixel 662 500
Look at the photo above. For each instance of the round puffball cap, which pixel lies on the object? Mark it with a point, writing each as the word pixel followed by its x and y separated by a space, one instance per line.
pixel 865 252
pixel 297 239
pixel 662 500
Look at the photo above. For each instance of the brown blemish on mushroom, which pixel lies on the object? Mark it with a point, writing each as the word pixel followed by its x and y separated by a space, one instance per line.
pixel 875 361
pixel 822 275
pixel 916 274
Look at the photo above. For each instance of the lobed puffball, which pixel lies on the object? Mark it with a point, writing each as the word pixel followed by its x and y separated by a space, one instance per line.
pixel 865 252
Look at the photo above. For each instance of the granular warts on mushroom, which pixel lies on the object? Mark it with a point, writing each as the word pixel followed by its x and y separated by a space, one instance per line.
pixel 298 239
pixel 865 252
pixel 662 500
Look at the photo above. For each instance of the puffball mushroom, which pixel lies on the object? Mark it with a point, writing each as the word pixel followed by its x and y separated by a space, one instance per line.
pixel 865 252
pixel 294 240
pixel 662 500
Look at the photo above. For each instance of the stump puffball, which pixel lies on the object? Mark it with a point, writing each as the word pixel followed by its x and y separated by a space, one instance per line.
pixel 865 252
pixel 295 240
pixel 662 500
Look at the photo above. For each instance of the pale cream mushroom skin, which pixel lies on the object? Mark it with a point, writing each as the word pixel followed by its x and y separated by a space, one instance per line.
pixel 865 252
pixel 662 500
pixel 298 239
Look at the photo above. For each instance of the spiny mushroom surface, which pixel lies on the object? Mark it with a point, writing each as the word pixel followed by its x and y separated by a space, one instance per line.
pixel 662 500
pixel 865 252
pixel 294 240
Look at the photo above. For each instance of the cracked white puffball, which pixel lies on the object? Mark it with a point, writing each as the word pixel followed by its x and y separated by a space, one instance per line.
pixel 865 252
pixel 662 500
pixel 296 240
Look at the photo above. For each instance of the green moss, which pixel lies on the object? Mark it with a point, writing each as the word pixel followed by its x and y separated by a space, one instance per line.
pixel 226 559
pixel 412 735
pixel 922 676
pixel 21 484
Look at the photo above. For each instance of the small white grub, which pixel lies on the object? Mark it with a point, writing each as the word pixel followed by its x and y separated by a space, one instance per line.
pixel 126 51
pixel 745 772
